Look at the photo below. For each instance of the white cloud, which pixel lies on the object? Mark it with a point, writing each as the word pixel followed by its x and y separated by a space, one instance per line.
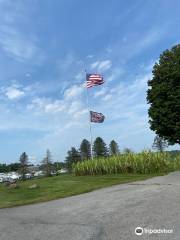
pixel 32 158
pixel 54 107
pixel 65 63
pixel 14 93
pixel 102 65
pixel 101 92
pixel 116 72
pixel 90 56
pixel 95 64
pixel 107 97
pixel 74 91
pixel 17 91
pixel 80 76
pixel 105 65
pixel 46 105
pixel 19 46
pixel 153 36
pixel 14 42
pixel 74 107
pixel 149 67
pixel 126 102
pixel 28 75
pixel 70 125
pixel 80 114
pixel 68 104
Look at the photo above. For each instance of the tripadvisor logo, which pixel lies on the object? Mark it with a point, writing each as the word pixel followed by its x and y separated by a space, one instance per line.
pixel 139 231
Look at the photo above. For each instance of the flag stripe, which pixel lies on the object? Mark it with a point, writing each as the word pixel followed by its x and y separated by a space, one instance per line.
pixel 93 80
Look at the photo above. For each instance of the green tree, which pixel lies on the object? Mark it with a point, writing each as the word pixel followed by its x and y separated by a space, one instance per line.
pixel 12 167
pixel 47 163
pixel 113 148
pixel 100 148
pixel 159 143
pixel 127 150
pixel 73 156
pixel 23 165
pixel 59 165
pixel 3 167
pixel 85 149
pixel 163 96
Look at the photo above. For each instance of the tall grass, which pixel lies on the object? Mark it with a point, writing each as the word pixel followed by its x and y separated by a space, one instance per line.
pixel 145 162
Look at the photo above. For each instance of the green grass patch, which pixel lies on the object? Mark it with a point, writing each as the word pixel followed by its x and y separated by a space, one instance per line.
pixel 61 186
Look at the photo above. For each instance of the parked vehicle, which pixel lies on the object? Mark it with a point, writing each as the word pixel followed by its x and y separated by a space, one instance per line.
pixel 14 176
pixel 38 174
pixel 63 170
pixel 1 179
pixel 28 175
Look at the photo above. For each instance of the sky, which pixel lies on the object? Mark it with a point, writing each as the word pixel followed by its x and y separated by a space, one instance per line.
pixel 45 48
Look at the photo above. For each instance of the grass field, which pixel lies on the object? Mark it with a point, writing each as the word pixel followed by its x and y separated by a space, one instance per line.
pixel 61 186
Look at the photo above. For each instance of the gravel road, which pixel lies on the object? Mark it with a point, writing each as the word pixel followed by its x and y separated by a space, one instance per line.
pixel 111 213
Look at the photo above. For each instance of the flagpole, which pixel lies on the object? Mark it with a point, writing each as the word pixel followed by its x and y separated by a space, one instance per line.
pixel 90 126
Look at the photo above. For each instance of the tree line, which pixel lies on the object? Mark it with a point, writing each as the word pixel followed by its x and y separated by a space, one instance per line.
pixel 24 166
pixel 99 149
pixel 74 155
pixel 12 167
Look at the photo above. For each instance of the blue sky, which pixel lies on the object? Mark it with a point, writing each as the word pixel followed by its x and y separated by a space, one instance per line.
pixel 45 47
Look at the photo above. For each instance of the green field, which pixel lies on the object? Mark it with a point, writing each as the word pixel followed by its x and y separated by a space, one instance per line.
pixel 145 162
pixel 60 187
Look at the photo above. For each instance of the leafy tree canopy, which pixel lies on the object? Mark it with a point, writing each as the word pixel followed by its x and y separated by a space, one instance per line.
pixel 113 148
pixel 100 148
pixel 12 167
pixel 127 150
pixel 163 96
pixel 159 143
pixel 23 165
pixel 85 149
pixel 73 156
pixel 47 163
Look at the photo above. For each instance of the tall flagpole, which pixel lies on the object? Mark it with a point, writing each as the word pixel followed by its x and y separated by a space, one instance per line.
pixel 90 127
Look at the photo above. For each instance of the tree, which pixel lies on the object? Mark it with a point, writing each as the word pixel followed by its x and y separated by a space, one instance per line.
pixel 3 167
pixel 159 143
pixel 100 148
pixel 113 148
pixel 163 96
pixel 85 149
pixel 59 165
pixel 47 163
pixel 73 156
pixel 127 150
pixel 12 167
pixel 23 165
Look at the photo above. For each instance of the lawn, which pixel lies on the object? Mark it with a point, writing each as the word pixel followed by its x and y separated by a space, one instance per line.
pixel 60 187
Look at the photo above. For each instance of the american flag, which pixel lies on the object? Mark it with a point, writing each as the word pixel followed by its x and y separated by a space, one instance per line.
pixel 96 117
pixel 93 80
